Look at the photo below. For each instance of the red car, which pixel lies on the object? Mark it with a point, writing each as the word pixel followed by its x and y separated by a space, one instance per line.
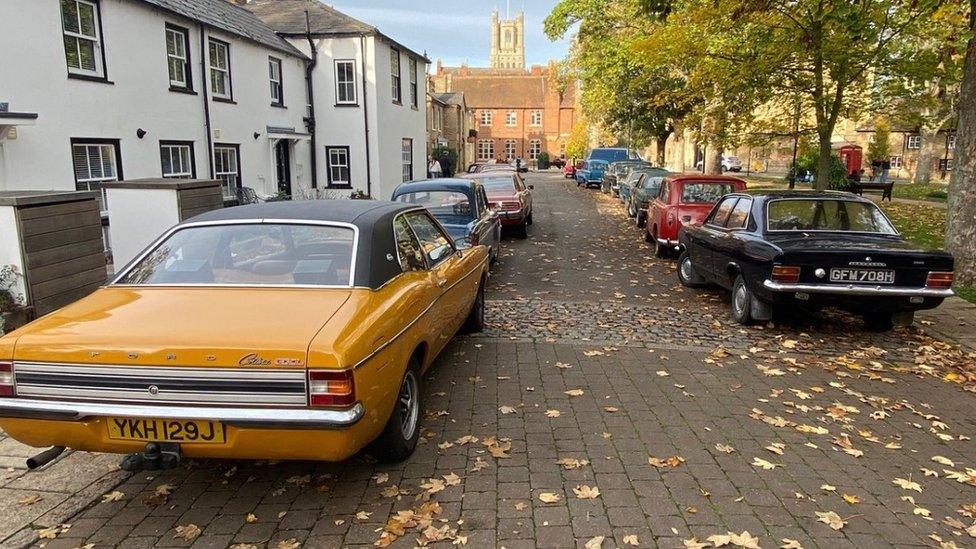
pixel 569 170
pixel 510 197
pixel 683 200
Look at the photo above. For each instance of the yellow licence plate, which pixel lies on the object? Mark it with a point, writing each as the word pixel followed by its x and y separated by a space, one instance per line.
pixel 166 430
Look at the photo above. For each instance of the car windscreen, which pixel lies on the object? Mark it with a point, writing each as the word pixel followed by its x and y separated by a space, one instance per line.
pixel 826 215
pixel 704 192
pixel 498 185
pixel 443 204
pixel 258 254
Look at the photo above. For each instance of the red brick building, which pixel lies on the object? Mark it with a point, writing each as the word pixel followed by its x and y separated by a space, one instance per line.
pixel 518 113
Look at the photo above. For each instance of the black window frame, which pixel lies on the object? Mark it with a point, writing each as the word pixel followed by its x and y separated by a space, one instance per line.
pixel 396 79
pixel 745 223
pixel 355 88
pixel 230 72
pixel 119 176
pixel 101 75
pixel 272 60
pixel 328 166
pixel 237 154
pixel 180 143
pixel 187 62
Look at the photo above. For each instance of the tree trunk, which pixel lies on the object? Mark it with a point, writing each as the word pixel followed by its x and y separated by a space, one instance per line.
pixel 822 181
pixel 926 156
pixel 713 160
pixel 961 214
pixel 662 142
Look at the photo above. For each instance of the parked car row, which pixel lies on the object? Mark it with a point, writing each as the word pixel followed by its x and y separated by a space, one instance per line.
pixel 279 330
pixel 779 253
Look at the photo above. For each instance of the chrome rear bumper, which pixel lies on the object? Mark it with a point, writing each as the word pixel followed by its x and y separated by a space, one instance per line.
pixel 852 289
pixel 281 418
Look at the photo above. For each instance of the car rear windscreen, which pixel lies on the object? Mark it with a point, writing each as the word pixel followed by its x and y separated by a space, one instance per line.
pixel 705 192
pixel 826 215
pixel 258 254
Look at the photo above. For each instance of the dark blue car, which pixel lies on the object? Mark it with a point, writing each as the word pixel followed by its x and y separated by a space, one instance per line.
pixel 591 174
pixel 461 206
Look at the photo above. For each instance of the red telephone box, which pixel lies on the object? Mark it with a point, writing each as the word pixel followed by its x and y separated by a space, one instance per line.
pixel 851 156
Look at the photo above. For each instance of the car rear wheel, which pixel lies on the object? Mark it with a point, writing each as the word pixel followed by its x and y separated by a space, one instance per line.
pixel 879 322
pixel 631 210
pixel 399 437
pixel 742 301
pixel 528 220
pixel 641 219
pixel 475 323
pixel 660 250
pixel 687 274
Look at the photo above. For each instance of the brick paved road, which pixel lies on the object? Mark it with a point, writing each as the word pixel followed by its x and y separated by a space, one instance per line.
pixel 595 354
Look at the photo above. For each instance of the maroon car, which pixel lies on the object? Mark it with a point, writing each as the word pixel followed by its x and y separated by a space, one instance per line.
pixel 510 197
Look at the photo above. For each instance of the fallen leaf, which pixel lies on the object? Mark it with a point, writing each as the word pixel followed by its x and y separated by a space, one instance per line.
pixel 553 413
pixel 790 544
pixel 831 519
pixel 745 539
pixel 586 492
pixel 944 461
pixel 907 484
pixel 594 543
pixel 290 543
pixel 726 448
pixel 631 539
pixel 363 515
pixel 113 496
pixel 188 532
pixel 851 498
pixel 506 409
pixel 572 463
pixel 693 543
pixel 574 392
pixel 29 500
pixel 759 462
pixel 828 488
pixel 251 518
pixel 549 497
pixel 672 461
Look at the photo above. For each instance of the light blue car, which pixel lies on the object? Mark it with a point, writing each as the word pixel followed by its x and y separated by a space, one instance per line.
pixel 591 174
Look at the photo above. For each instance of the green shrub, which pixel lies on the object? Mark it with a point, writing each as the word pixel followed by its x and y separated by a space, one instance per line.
pixel 542 160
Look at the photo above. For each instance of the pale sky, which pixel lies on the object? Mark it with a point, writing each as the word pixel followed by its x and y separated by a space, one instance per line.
pixel 455 30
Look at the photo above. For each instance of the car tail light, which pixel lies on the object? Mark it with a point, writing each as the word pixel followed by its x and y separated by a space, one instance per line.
pixel 331 388
pixel 783 273
pixel 7 379
pixel 938 279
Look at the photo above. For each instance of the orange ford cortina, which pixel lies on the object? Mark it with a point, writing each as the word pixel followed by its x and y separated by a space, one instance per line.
pixel 285 330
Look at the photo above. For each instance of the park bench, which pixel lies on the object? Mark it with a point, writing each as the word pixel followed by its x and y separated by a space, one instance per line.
pixel 885 188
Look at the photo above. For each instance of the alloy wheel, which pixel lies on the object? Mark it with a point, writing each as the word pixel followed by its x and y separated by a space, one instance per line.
pixel 740 300
pixel 407 406
pixel 686 269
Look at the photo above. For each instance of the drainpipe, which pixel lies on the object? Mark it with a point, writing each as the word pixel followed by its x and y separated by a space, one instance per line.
pixel 310 119
pixel 362 59
pixel 206 98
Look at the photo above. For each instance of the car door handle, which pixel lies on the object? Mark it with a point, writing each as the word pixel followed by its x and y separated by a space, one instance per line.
pixel 441 282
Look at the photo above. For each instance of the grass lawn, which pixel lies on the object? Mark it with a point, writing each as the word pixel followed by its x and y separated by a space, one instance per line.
pixel 935 192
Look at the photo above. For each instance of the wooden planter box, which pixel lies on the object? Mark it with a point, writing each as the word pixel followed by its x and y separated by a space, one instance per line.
pixel 55 241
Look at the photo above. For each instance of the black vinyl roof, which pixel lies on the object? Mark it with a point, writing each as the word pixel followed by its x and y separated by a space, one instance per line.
pixel 376 254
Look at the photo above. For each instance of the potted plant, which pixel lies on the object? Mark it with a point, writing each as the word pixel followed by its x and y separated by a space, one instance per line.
pixel 13 314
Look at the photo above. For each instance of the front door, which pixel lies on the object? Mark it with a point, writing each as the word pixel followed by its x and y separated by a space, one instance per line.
pixel 282 156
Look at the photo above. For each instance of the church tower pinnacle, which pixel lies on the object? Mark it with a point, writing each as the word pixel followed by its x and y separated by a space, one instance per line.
pixel 507 42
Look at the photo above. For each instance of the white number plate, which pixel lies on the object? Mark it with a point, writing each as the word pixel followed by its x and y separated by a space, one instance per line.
pixel 862 276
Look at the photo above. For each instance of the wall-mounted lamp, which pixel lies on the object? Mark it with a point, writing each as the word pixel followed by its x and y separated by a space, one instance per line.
pixel 257 135
pixel 140 133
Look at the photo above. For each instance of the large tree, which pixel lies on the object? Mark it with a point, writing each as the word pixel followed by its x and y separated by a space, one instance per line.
pixel 620 92
pixel 961 219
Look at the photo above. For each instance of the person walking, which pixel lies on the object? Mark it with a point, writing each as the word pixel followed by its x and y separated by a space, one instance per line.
pixel 885 168
pixel 434 168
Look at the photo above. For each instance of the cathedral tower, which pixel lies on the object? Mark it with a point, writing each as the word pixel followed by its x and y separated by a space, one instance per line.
pixel 508 42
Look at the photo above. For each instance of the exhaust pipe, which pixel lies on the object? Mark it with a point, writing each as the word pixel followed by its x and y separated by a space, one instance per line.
pixel 45 457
